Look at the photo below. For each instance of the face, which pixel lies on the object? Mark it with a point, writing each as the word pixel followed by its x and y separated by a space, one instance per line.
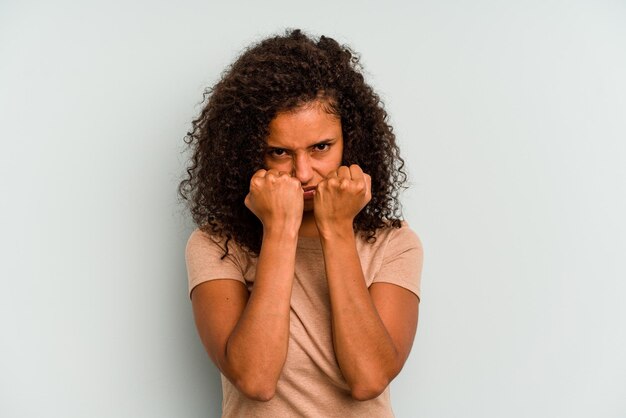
pixel 306 143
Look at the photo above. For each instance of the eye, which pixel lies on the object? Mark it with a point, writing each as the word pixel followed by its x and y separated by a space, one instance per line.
pixel 277 152
pixel 321 147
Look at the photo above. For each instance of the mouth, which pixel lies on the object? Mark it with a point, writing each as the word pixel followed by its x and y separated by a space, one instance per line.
pixel 309 192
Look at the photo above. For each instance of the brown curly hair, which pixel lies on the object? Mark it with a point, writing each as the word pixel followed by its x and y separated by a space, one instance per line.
pixel 228 138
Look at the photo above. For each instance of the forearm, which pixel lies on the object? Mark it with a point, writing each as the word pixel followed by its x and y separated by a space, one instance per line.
pixel 365 352
pixel 257 347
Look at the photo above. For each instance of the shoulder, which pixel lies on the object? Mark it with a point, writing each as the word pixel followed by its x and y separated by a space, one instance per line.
pixel 206 244
pixel 200 242
pixel 206 259
pixel 389 237
pixel 392 244
pixel 199 239
pixel 407 236
pixel 400 253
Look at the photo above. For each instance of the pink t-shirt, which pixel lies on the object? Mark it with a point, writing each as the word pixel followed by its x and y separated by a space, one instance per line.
pixel 311 383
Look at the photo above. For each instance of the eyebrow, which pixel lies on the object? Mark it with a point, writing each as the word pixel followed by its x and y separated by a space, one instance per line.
pixel 323 141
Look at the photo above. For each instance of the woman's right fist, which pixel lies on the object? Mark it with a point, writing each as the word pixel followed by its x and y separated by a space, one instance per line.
pixel 276 198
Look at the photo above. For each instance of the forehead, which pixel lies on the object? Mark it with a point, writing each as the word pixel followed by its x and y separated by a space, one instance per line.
pixel 303 127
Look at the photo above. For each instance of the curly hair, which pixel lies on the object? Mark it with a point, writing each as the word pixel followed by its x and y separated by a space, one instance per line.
pixel 228 138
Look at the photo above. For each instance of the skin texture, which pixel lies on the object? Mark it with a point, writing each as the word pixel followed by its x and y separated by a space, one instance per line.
pixel 373 329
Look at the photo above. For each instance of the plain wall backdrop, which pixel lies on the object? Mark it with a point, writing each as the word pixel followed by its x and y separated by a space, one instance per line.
pixel 511 117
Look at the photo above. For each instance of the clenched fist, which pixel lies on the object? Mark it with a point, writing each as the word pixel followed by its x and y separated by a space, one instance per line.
pixel 341 196
pixel 276 198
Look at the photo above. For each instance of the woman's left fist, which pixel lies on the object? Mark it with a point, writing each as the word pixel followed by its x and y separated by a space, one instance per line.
pixel 341 196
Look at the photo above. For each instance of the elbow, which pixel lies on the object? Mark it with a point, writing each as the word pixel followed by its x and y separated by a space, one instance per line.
pixel 365 392
pixel 251 383
pixel 261 391
pixel 372 384
pixel 254 381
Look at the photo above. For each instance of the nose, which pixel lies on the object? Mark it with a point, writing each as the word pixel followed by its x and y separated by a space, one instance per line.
pixel 302 169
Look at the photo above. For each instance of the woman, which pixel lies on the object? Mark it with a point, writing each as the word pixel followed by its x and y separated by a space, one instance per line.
pixel 303 279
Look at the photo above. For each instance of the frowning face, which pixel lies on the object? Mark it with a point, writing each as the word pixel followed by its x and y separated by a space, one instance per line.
pixel 307 143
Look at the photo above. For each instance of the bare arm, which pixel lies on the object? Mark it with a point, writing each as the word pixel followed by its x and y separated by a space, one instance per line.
pixel 245 335
pixel 373 329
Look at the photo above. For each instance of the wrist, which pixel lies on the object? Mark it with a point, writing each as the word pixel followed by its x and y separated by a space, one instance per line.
pixel 281 231
pixel 337 231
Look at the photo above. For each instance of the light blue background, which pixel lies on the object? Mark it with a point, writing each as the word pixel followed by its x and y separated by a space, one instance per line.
pixel 511 116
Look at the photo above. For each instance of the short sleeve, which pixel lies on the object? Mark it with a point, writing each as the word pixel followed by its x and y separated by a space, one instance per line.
pixel 402 260
pixel 203 257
